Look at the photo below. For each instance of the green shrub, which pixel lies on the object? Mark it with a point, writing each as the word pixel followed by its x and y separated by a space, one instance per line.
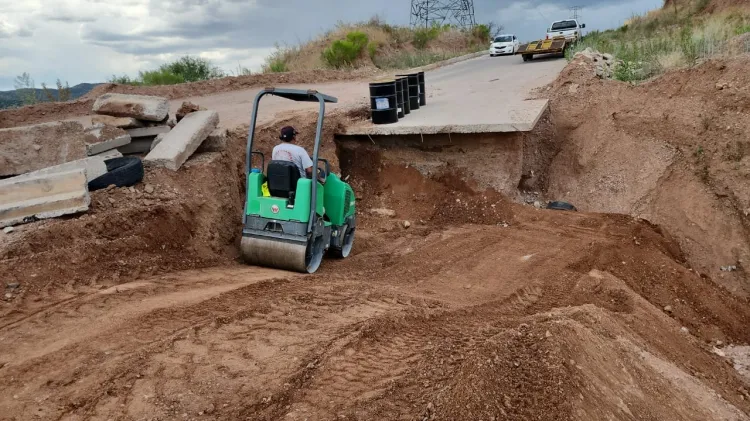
pixel 160 77
pixel 742 29
pixel 344 52
pixel 481 32
pixel 123 80
pixel 277 66
pixel 192 69
pixel 628 71
pixel 423 36
pixel 358 38
pixel 372 49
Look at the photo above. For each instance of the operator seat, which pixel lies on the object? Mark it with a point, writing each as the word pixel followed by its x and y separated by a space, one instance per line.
pixel 282 179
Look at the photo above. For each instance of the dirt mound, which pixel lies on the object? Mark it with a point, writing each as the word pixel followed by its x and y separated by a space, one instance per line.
pixel 48 111
pixel 673 151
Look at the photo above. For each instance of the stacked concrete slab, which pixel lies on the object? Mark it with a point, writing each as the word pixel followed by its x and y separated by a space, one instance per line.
pixel 31 148
pixel 102 138
pixel 43 196
pixel 142 117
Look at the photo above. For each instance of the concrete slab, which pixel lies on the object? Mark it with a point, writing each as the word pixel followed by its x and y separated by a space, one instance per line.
pixel 215 142
pixel 121 122
pixel 142 107
pixel 30 148
pixel 442 115
pixel 114 153
pixel 101 138
pixel 157 139
pixel 137 146
pixel 93 165
pixel 183 140
pixel 44 196
pixel 148 131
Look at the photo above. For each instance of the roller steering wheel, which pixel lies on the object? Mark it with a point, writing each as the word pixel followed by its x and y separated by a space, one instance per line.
pixel 322 175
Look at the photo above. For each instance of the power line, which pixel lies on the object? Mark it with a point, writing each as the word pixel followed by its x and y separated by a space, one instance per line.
pixel 574 10
pixel 440 12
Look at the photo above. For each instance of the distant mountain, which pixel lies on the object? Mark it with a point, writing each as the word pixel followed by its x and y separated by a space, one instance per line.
pixel 10 99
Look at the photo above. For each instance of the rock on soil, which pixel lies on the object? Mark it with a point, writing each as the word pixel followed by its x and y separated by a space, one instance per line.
pixel 383 212
pixel 30 148
pixel 141 107
pixel 185 109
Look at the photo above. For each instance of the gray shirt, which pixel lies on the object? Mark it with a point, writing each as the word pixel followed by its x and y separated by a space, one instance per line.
pixel 293 153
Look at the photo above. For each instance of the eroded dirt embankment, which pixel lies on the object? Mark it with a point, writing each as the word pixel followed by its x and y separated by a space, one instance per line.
pixel 674 151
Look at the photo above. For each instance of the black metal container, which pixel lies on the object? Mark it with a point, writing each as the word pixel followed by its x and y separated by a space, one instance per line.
pixel 400 98
pixel 422 91
pixel 404 81
pixel 413 90
pixel 384 102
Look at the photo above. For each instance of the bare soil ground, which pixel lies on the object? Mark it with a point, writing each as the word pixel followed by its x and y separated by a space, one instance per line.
pixel 482 309
pixel 674 151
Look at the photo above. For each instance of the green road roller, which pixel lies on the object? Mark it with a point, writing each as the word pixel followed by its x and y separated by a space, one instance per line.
pixel 290 221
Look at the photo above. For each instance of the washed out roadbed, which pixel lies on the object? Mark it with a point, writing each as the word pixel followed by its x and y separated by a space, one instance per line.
pixel 457 303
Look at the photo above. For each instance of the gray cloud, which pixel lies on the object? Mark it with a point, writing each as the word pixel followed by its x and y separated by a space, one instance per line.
pixel 196 24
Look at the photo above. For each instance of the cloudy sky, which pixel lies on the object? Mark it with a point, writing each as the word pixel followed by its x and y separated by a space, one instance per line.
pixel 90 40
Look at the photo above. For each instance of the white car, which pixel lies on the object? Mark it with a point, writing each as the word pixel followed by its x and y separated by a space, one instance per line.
pixel 504 44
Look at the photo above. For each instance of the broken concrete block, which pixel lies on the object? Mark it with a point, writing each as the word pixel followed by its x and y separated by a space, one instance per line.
pixel 121 122
pixel 148 131
pixel 137 146
pixel 114 153
pixel 93 165
pixel 30 148
pixel 183 140
pixel 142 107
pixel 101 138
pixel 43 196
pixel 185 109
pixel 157 139
pixel 215 142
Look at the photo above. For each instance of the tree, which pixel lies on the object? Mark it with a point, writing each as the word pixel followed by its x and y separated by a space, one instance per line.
pixel 495 28
pixel 63 92
pixel 25 89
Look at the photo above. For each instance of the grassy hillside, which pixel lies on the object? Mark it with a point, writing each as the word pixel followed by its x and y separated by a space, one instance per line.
pixel 378 44
pixel 681 34
pixel 11 99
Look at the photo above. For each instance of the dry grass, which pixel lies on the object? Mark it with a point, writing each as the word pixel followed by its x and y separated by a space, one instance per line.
pixel 672 37
pixel 388 46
